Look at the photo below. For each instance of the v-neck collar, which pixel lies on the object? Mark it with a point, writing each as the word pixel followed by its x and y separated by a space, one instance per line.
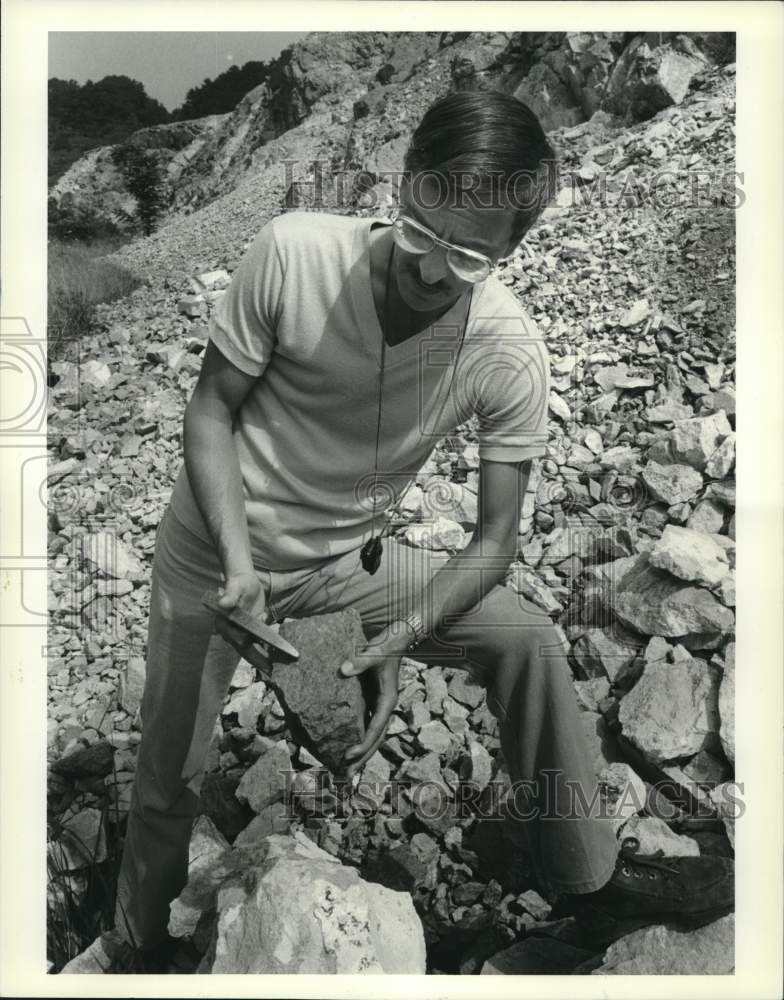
pixel 362 294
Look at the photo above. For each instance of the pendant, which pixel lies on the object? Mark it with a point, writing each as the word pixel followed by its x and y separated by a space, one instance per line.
pixel 370 554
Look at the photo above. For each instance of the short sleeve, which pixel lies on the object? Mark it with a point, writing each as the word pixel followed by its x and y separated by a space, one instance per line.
pixel 512 395
pixel 244 322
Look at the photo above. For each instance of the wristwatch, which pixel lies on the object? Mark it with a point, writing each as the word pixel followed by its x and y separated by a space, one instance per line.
pixel 414 622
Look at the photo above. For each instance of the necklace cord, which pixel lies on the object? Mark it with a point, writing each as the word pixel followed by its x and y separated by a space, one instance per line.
pixel 371 552
pixel 381 384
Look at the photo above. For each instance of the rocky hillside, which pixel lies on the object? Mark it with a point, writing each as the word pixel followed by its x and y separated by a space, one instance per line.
pixel 626 536
pixel 357 97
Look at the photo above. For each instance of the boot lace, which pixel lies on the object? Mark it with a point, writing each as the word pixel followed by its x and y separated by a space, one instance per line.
pixel 649 863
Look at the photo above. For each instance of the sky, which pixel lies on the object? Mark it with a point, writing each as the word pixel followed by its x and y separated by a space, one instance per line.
pixel 168 63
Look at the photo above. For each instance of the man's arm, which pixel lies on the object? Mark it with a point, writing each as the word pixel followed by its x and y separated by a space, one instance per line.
pixel 483 563
pixel 214 471
pixel 458 586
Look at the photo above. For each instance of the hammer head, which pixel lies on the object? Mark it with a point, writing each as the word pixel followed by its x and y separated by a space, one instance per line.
pixel 250 636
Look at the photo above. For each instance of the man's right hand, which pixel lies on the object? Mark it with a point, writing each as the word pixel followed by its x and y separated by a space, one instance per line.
pixel 243 590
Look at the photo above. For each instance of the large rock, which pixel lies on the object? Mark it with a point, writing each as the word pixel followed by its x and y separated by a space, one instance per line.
pixel 195 905
pixel 654 834
pixel 438 534
pixel 434 736
pixel 217 800
pixel 727 703
pixel 464 689
pixel 535 956
pixel 663 950
pixel 550 99
pixel 672 708
pixel 648 78
pixel 94 761
pixel 652 602
pixel 289 907
pixel 694 442
pixel 591 692
pixel 131 686
pixel 207 844
pixel 635 314
pixel 106 551
pixel 599 652
pixel 618 377
pixel 246 704
pixel 707 516
pixel 664 413
pixel 83 841
pixel 623 793
pixel 444 498
pixel 324 710
pixel 477 766
pixel 268 780
pixel 689 555
pixel 671 484
pixel 722 461
pixel 528 583
pixel 435 687
pixel 374 783
pixel 274 818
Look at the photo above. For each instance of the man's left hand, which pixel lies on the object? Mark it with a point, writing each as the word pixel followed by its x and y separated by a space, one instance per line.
pixel 382 655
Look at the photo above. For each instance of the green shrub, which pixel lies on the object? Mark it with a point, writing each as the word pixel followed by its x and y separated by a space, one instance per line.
pixel 79 277
pixel 72 221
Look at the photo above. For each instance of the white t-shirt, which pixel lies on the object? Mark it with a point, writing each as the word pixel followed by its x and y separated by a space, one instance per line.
pixel 299 314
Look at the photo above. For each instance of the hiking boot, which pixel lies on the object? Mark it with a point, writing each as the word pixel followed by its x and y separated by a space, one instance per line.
pixel 651 888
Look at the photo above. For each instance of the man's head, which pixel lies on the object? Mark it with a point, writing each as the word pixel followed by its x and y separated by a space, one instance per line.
pixel 478 173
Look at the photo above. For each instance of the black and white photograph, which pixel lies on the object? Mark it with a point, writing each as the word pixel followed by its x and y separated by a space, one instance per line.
pixel 389 431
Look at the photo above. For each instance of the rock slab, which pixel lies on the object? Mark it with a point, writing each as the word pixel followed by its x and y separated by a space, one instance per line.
pixel 286 906
pixel 324 710
pixel 653 602
pixel 662 950
pixel 671 709
pixel 690 555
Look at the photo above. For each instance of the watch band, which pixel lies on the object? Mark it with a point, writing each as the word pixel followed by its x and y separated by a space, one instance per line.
pixel 414 622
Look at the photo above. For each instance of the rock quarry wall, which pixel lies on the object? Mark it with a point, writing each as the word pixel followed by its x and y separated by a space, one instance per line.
pixel 330 82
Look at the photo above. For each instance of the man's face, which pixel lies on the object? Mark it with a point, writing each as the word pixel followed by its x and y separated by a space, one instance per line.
pixel 426 282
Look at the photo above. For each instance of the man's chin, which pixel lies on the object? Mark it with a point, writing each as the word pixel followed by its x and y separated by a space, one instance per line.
pixel 419 296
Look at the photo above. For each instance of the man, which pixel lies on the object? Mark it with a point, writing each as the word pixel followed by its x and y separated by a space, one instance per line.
pixel 342 352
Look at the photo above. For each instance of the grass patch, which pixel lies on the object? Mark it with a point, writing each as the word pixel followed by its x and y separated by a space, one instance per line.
pixel 79 278
pixel 80 904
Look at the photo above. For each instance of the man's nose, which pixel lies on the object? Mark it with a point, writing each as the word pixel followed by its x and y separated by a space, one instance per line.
pixel 433 266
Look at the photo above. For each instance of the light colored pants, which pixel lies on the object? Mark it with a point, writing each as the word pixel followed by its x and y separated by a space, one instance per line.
pixel 505 642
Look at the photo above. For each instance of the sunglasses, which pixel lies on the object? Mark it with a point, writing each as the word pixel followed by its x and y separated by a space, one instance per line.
pixel 468 265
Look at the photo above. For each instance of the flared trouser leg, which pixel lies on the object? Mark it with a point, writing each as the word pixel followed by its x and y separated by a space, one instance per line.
pixel 189 669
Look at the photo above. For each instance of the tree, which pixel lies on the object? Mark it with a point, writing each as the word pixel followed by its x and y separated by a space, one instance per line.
pixel 223 94
pixel 142 173
pixel 95 114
